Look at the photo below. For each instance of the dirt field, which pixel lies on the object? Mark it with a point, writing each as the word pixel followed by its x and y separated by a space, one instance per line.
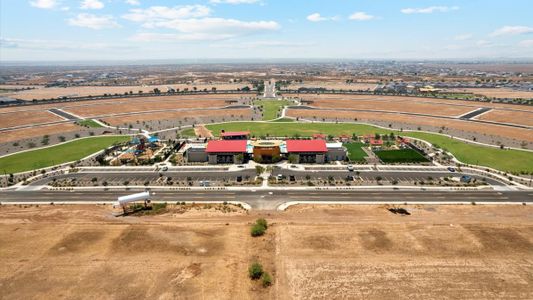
pixel 398 106
pixel 322 252
pixel 335 85
pixel 26 118
pixel 191 114
pixel 409 100
pixel 505 116
pixel 55 92
pixel 497 92
pixel 474 128
pixel 137 106
pixel 19 134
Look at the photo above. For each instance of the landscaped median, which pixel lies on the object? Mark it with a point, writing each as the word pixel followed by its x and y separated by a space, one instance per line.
pixel 515 161
pixel 55 155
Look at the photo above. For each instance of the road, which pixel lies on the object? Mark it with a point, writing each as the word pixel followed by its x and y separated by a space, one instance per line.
pixel 270 89
pixel 269 200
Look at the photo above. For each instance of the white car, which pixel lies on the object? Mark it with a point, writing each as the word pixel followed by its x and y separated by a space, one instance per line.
pixel 350 168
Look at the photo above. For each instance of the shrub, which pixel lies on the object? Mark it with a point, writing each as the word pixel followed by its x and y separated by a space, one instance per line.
pixel 255 271
pixel 262 222
pixel 257 230
pixel 266 279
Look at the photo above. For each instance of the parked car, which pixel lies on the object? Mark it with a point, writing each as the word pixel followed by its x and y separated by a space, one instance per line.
pixel 350 168
pixel 451 169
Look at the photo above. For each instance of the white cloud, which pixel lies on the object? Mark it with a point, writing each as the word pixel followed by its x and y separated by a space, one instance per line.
pixel 361 16
pixel 192 22
pixel 429 10
pixel 45 4
pixel 463 37
pixel 40 44
pixel 316 17
pixel 163 13
pixel 512 30
pixel 93 21
pixel 233 1
pixel 91 4
pixel 526 43
pixel 133 2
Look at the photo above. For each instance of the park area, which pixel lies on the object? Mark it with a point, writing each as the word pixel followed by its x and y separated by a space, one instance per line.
pixel 356 152
pixel 271 108
pixel 203 252
pixel 55 155
pixel 400 156
pixel 515 161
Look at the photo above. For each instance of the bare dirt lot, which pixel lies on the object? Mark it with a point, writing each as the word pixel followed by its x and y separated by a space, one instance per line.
pixel 19 134
pixel 505 116
pixel 79 91
pixel 408 100
pixel 473 128
pixel 26 118
pixel 398 106
pixel 189 115
pixel 313 252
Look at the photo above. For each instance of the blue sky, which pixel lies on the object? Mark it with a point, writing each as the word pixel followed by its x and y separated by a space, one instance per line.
pixel 47 30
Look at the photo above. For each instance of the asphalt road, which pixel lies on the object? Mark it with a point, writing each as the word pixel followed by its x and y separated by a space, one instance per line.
pixel 269 200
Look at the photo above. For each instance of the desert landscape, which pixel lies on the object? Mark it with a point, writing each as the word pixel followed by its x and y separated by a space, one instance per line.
pixel 312 252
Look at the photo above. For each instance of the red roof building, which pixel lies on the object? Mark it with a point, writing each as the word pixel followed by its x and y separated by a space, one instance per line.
pixel 306 146
pixel 319 136
pixel 224 146
pixel 375 142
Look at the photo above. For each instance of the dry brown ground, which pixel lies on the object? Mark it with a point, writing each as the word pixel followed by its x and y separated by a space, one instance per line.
pixel 335 85
pixel 409 100
pixel 114 108
pixel 513 117
pixel 313 252
pixel 127 101
pixel 474 128
pixel 202 131
pixel 19 134
pixel 497 92
pixel 398 106
pixel 26 117
pixel 78 91
pixel 190 115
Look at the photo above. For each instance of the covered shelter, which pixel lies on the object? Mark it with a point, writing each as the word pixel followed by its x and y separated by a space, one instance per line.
pixel 226 151
pixel 234 135
pixel 307 151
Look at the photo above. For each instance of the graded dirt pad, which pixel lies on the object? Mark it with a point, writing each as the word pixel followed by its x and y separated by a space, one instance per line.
pixel 26 118
pixel 178 115
pixel 118 108
pixel 19 134
pixel 313 252
pixel 472 127
pixel 80 91
pixel 408 100
pixel 505 116
pixel 498 92
pixel 395 106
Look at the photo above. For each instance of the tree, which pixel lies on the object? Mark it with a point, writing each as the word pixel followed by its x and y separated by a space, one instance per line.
pixel 293 158
pixel 255 271
pixel 257 230
pixel 266 279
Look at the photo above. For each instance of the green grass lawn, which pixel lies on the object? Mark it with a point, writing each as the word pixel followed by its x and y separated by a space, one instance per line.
pixel 271 107
pixel 401 156
pixel 88 123
pixel 259 129
pixel 355 152
pixel 71 151
pixel 284 120
pixel 505 160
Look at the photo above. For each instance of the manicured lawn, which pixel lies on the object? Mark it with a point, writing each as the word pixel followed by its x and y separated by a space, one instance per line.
pixel 187 132
pixel 89 123
pixel 271 107
pixel 55 155
pixel 400 156
pixel 505 160
pixel 259 129
pixel 355 153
